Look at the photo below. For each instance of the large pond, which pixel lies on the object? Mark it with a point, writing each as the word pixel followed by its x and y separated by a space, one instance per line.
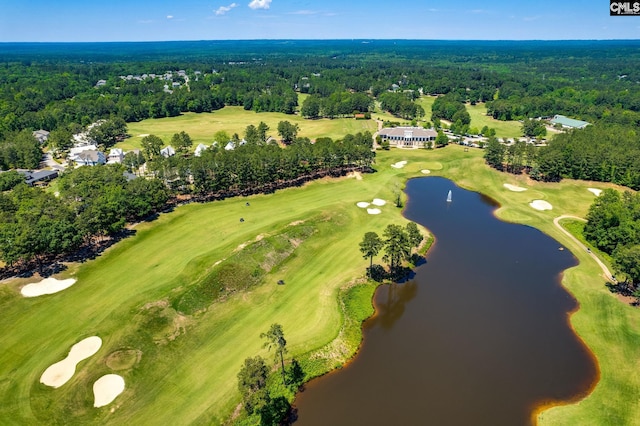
pixel 480 335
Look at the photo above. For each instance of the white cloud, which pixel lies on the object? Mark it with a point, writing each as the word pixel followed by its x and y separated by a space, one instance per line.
pixel 169 16
pixel 224 9
pixel 259 4
pixel 303 12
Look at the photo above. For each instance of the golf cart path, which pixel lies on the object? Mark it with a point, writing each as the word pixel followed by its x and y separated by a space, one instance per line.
pixel 605 270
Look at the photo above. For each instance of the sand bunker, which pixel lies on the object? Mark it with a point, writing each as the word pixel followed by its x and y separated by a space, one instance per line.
pixel 59 373
pixel 514 188
pixel 356 175
pixel 378 202
pixel 540 205
pixel 106 389
pixel 425 171
pixel 374 211
pixel 363 204
pixel 143 135
pixel 399 164
pixel 595 191
pixel 46 286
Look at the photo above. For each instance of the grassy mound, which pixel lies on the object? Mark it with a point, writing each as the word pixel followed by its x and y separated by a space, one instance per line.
pixel 246 268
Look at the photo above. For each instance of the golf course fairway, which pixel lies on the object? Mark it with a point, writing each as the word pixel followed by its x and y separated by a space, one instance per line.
pixel 181 368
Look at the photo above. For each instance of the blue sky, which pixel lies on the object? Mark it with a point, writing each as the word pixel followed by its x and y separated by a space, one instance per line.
pixel 152 20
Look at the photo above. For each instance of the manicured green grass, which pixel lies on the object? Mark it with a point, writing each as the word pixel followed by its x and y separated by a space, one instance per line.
pixel 479 118
pixel 426 102
pixel 189 362
pixel 202 127
pixel 504 129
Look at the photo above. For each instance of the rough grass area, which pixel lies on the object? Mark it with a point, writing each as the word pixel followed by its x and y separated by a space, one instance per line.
pixel 189 362
pixel 244 269
pixel 234 119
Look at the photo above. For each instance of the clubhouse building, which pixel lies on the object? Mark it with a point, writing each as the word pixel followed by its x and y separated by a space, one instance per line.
pixel 407 137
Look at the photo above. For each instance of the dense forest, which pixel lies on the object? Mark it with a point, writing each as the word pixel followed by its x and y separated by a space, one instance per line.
pixel 57 85
pixel 614 227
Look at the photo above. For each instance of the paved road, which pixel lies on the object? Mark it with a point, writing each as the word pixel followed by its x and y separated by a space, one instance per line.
pixel 604 268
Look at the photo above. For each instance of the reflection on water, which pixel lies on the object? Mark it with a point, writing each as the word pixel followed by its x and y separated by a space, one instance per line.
pixel 390 303
pixel 478 337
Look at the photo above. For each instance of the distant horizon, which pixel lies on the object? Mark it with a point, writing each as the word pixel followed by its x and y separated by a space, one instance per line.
pixel 77 21
pixel 319 39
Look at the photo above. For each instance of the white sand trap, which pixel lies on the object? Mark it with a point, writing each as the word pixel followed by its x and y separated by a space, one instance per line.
pixel 106 389
pixel 425 171
pixel 378 202
pixel 595 191
pixel 46 286
pixel 356 175
pixel 363 204
pixel 374 211
pixel 143 135
pixel 399 164
pixel 540 205
pixel 514 188
pixel 59 373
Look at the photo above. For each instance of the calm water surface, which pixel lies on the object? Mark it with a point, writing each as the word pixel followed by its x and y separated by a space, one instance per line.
pixel 480 336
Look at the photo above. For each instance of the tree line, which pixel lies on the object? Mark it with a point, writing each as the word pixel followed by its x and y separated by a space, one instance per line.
pixel 613 226
pixel 605 153
pixel 93 202
pixel 97 202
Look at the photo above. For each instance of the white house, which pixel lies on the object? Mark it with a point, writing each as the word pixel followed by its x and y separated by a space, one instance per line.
pixel 231 145
pixel 77 150
pixel 116 155
pixel 41 135
pixel 168 151
pixel 90 157
pixel 199 149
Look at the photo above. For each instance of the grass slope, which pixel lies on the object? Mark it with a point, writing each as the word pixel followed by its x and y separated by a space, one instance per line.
pixel 190 362
pixel 234 119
